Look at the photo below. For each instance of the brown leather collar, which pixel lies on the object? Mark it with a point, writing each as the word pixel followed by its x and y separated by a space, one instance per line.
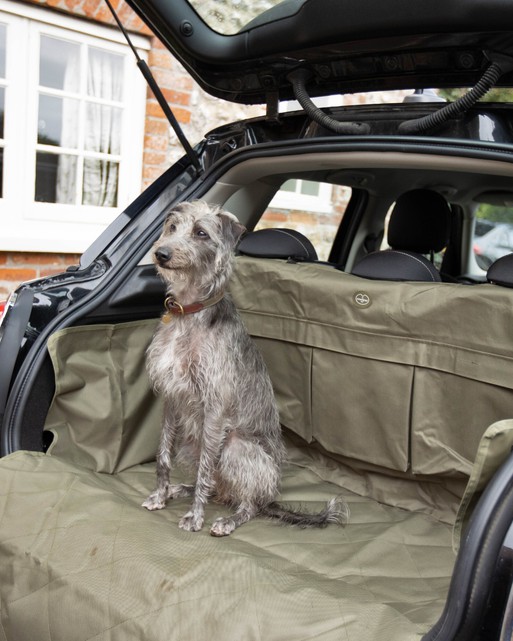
pixel 173 307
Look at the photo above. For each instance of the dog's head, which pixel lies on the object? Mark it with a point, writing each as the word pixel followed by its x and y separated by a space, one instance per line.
pixel 197 244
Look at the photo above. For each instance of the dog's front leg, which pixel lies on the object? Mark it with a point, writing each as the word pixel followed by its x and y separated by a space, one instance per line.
pixel 157 499
pixel 210 449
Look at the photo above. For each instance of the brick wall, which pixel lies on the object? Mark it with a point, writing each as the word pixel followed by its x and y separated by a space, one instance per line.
pixel 17 267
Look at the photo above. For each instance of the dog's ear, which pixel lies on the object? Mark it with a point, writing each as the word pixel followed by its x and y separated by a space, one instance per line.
pixel 232 228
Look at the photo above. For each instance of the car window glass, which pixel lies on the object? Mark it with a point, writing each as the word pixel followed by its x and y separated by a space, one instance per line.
pixel 493 233
pixel 313 208
pixel 229 16
pixel 2 100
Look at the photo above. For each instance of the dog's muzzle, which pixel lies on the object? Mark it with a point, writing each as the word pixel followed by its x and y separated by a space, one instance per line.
pixel 162 255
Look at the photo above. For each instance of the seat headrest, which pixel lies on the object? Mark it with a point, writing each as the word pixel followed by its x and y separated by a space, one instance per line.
pixel 396 265
pixel 277 243
pixel 420 222
pixel 501 271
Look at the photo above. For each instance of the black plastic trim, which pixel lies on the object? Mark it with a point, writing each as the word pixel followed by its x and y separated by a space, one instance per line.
pixel 13 330
pixel 361 46
pixel 472 579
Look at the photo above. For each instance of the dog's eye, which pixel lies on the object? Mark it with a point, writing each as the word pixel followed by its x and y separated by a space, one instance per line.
pixel 201 234
pixel 172 227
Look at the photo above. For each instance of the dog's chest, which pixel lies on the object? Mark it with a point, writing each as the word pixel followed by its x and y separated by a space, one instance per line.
pixel 174 359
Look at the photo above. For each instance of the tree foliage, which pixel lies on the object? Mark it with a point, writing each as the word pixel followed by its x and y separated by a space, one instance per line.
pixel 499 94
pixel 495 213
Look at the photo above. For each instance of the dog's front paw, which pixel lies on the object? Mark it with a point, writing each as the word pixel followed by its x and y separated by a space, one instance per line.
pixel 222 527
pixel 155 501
pixel 191 522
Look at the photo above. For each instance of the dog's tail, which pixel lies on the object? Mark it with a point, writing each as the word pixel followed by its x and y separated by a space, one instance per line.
pixel 336 511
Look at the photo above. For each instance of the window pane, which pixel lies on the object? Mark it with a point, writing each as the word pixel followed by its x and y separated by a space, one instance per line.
pixel 309 188
pixel 3 37
pixel 103 128
pixel 100 187
pixel 493 235
pixel 55 178
pixel 1 172
pixel 2 111
pixel 105 75
pixel 59 64
pixel 316 216
pixel 58 121
pixel 289 185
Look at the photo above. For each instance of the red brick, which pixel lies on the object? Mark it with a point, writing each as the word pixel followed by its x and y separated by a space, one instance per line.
pixel 132 21
pixel 158 143
pixel 183 82
pixel 165 78
pixel 159 58
pixel 35 258
pixel 177 97
pixel 59 4
pixel 89 7
pixel 3 258
pixel 18 275
pixel 103 14
pixel 182 115
pixel 154 158
pixel 156 43
pixel 157 126
pixel 301 217
pixel 153 109
pixel 275 216
pixel 51 272
pixel 73 7
pixel 151 174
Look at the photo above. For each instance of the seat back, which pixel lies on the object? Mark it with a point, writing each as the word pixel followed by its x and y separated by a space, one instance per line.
pixel 501 271
pixel 419 224
pixel 397 265
pixel 277 243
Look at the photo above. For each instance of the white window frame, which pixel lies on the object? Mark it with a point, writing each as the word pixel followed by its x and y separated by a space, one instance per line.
pixel 304 202
pixel 27 225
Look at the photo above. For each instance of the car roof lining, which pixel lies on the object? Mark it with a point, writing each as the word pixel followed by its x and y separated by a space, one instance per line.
pixel 247 188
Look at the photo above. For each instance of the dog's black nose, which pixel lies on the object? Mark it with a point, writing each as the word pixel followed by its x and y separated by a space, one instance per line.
pixel 162 254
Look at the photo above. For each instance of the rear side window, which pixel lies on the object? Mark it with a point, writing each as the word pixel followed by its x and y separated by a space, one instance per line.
pixel 311 207
pixel 493 233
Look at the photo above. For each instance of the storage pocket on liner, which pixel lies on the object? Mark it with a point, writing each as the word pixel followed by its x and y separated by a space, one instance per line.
pixel 449 416
pixel 290 368
pixel 361 408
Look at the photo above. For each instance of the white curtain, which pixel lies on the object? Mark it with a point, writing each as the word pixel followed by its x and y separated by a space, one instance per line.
pixel 67 164
pixel 102 128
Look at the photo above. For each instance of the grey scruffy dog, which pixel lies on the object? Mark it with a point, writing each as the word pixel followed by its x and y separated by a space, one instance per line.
pixel 220 417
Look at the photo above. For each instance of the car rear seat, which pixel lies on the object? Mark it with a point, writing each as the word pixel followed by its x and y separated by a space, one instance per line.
pixel 419 224
pixel 500 272
pixel 277 242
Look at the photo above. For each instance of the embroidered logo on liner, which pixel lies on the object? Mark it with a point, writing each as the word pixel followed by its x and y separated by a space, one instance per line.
pixel 362 299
